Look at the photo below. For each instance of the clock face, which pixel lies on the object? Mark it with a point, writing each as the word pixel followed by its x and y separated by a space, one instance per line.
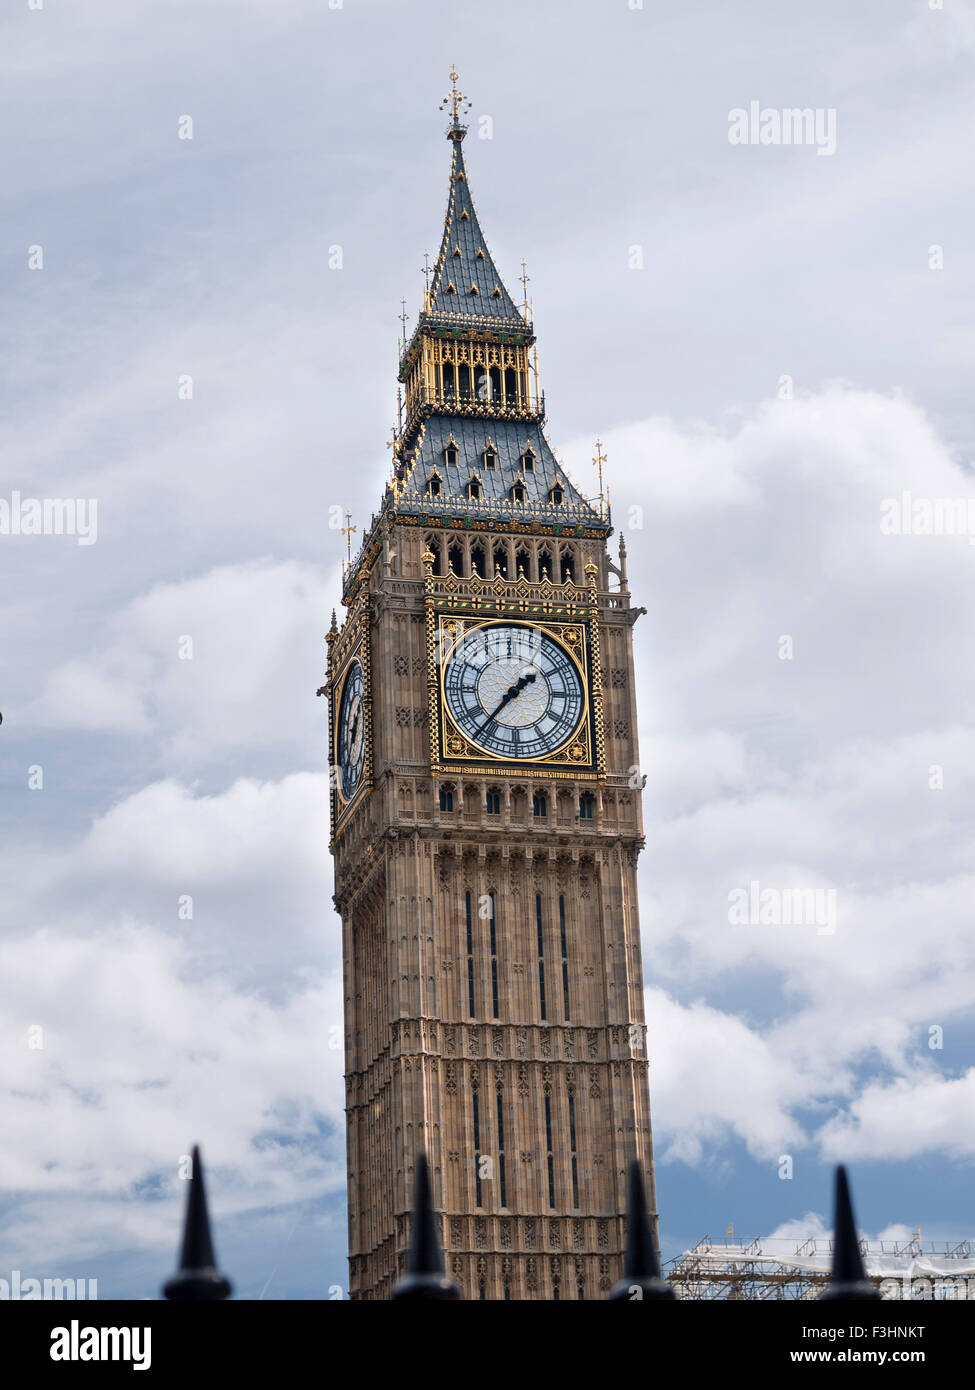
pixel 513 691
pixel 351 732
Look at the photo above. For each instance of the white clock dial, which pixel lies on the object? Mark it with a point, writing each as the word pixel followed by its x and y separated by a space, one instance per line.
pixel 513 691
pixel 351 731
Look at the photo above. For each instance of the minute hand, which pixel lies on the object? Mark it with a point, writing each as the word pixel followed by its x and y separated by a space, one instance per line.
pixel 508 696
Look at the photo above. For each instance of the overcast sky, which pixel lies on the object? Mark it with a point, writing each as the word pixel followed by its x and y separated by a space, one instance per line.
pixel 769 340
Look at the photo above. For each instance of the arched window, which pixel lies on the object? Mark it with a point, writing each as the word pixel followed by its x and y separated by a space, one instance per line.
pixel 446 799
pixel 490 457
pixel 433 545
pixel 433 486
pixel 518 492
pixel 474 488
pixel 455 557
pixel 449 387
pixel 528 461
pixel 477 561
pixel 539 804
pixel 493 803
pixel 522 564
pixel 500 559
pixel 450 455
pixel 568 569
pixel 556 495
pixel 544 564
pixel 587 804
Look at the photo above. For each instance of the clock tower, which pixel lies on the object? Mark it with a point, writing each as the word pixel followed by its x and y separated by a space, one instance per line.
pixel 486 822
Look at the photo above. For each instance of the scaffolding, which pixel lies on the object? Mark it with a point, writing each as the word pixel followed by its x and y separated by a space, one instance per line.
pixel 773 1269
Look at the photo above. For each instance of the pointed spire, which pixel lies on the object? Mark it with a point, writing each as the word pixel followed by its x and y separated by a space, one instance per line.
pixel 197 1278
pixel 425 1277
pixel 465 282
pixel 848 1278
pixel 641 1267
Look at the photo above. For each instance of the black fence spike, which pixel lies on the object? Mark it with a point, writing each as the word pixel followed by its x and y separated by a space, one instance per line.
pixel 425 1277
pixel 641 1265
pixel 197 1277
pixel 848 1278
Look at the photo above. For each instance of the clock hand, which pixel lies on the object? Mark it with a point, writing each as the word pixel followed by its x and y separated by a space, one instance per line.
pixel 509 695
pixel 355 725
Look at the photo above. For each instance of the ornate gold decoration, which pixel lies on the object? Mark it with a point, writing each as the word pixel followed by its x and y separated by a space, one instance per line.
pixel 445 630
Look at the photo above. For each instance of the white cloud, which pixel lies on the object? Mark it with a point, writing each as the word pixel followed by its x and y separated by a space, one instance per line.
pixel 218 665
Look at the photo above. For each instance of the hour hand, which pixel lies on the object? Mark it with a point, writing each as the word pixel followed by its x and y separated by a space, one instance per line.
pixel 509 695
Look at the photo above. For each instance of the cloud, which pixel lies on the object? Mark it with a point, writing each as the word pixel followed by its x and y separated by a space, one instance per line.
pixel 849 767
pixel 214 666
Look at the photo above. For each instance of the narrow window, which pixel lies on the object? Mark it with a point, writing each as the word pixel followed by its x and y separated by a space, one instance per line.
pixel 494 803
pixel 568 572
pixel 528 461
pixel 450 455
pixel 470 957
pixel 446 800
pixel 473 488
pixel 539 804
pixel 490 458
pixel 572 1143
pixel 477 1147
pixel 504 1192
pixel 565 958
pixel 555 496
pixel 541 951
pixel 586 804
pixel 494 958
pixel 433 486
pixel 551 1156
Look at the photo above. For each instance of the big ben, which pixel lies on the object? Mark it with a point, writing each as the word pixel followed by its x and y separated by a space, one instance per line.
pixel 486 821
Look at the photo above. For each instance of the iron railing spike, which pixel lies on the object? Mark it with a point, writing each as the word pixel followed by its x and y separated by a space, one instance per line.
pixel 848 1278
pixel 641 1265
pixel 197 1278
pixel 425 1277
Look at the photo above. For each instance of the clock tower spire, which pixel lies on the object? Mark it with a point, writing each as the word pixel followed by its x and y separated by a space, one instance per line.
pixel 486 821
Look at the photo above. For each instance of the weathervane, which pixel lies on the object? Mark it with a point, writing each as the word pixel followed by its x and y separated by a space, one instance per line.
pixel 598 461
pixel 426 270
pixel 456 98
pixel 347 531
pixel 524 277
pixel 403 317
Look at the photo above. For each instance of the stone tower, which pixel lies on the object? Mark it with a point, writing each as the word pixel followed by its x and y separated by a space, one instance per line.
pixel 486 822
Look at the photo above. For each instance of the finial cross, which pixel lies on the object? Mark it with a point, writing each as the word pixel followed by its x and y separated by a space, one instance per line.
pixel 598 461
pixel 458 102
pixel 348 530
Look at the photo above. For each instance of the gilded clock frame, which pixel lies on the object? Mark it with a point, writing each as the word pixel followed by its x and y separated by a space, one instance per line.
pixel 357 650
pixel 452 752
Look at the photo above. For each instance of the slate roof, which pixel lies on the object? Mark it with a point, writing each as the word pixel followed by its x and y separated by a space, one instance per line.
pixel 509 439
pixel 462 232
